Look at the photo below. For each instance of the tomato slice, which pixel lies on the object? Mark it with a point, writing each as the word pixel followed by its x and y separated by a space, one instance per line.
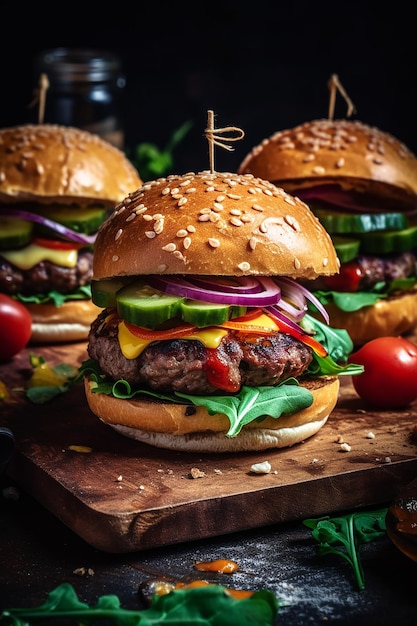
pixel 56 244
pixel 348 279
pixel 248 316
pixel 161 335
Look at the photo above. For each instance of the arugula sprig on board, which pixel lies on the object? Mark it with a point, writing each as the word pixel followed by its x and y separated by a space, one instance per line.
pixel 206 606
pixel 349 532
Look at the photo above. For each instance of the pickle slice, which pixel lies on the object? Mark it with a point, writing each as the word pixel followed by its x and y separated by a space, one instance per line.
pixel 85 221
pixel 389 241
pixel 344 223
pixel 203 314
pixel 103 292
pixel 142 305
pixel 346 249
pixel 14 232
pixel 138 303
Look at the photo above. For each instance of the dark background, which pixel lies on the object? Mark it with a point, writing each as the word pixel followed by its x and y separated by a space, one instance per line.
pixel 261 66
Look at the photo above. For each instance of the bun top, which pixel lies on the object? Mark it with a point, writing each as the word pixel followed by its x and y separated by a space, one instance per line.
pixel 213 224
pixel 350 153
pixel 49 163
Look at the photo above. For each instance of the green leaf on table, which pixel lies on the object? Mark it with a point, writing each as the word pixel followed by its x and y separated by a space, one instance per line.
pixel 348 532
pixel 206 606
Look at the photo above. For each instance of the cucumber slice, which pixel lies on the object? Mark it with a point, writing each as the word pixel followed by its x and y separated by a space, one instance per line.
pixel 85 221
pixel 203 314
pixel 344 223
pixel 346 249
pixel 14 232
pixel 103 292
pixel 145 306
pixel 389 241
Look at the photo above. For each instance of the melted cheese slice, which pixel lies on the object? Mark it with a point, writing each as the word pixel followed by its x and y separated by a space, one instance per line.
pixel 33 254
pixel 132 346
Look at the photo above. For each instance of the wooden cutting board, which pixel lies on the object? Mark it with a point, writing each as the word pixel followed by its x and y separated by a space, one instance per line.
pixel 124 496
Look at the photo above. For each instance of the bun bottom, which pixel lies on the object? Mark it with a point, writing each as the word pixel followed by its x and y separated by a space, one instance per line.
pixel 69 322
pixel 175 427
pixel 388 317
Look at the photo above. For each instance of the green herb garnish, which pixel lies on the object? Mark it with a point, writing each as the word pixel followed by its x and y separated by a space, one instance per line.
pixel 151 162
pixel 205 606
pixel 350 532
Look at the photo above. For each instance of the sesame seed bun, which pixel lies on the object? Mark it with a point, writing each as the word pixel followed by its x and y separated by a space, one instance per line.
pixel 213 224
pixel 71 320
pixel 354 155
pixel 174 427
pixel 47 163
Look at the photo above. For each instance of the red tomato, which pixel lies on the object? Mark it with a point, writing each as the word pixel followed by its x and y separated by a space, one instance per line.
pixel 56 244
pixel 15 327
pixel 389 380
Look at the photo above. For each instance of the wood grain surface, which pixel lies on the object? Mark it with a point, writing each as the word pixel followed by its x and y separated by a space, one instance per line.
pixel 120 495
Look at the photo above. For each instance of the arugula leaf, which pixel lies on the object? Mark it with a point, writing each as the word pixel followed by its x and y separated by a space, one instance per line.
pixel 339 346
pixel 252 403
pixel 206 606
pixel 337 341
pixel 249 404
pixel 350 532
pixel 55 297
pixel 353 301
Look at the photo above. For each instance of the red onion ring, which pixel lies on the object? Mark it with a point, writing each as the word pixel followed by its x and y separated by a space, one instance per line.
pixel 66 232
pixel 242 284
pixel 295 302
pixel 281 316
pixel 269 293
pixel 308 295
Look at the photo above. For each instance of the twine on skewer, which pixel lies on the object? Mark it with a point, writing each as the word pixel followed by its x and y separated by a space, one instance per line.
pixel 335 85
pixel 214 137
pixel 40 97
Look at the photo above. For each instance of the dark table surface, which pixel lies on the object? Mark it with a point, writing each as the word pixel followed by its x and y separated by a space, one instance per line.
pixel 37 553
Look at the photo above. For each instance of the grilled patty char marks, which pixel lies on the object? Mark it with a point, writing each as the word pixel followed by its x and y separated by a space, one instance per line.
pixel 179 364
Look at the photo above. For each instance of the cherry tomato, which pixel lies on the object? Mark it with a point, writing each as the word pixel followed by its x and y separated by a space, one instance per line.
pixel 389 379
pixel 15 327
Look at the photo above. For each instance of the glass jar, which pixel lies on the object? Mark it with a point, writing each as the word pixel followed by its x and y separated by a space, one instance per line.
pixel 85 90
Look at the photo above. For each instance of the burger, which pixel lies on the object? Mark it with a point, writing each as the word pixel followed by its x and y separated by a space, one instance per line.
pixel 203 343
pixel 57 185
pixel 362 185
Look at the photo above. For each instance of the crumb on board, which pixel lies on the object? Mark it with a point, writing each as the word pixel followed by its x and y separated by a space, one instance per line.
pixel 196 473
pixel 345 447
pixel 370 435
pixel 261 468
pixel 83 571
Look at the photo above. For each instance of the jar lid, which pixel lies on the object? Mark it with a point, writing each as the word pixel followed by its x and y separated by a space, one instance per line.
pixel 68 65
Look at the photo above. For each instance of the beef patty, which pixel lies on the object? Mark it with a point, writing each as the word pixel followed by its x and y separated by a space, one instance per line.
pixel 46 276
pixel 181 365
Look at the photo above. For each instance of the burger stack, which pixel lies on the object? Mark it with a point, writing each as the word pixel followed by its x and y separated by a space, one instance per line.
pixel 362 185
pixel 204 343
pixel 57 185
